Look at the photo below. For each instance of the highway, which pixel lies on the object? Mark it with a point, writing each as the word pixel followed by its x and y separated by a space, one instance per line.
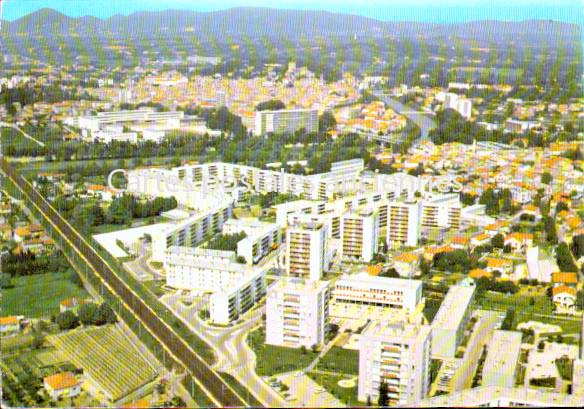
pixel 218 391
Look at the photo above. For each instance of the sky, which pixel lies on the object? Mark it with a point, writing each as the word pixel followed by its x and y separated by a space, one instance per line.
pixel 436 11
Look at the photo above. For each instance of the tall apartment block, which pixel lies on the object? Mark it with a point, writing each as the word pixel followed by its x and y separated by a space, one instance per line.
pixel 286 121
pixel 297 312
pixel 441 211
pixel 306 251
pixel 359 234
pixel 399 355
pixel 403 223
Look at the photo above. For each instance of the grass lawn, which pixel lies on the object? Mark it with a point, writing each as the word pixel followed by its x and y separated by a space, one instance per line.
pixel 155 286
pixel 39 295
pixel 536 304
pixel 340 360
pixel 272 359
pixel 568 325
pixel 330 382
pixel 240 389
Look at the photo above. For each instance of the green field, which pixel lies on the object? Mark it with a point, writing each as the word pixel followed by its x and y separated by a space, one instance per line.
pixel 274 359
pixel 39 295
pixel 340 360
pixel 108 357
pixel 330 382
pixel 536 304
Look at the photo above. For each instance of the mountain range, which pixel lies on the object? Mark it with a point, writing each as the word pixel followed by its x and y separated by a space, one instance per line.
pixel 276 23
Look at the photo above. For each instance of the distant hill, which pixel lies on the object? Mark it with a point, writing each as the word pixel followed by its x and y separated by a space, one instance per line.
pixel 277 23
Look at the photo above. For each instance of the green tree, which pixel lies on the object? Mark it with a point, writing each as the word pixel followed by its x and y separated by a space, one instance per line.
pixel 104 315
pixel 564 258
pixel 87 313
pixel 546 178
pixel 67 320
pixel 383 400
pixel 498 241
pixel 326 122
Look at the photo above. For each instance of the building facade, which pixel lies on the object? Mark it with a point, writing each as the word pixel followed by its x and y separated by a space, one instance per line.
pixel 297 312
pixel 399 355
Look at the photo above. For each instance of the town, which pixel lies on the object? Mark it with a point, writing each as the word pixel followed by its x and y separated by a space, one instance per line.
pixel 206 233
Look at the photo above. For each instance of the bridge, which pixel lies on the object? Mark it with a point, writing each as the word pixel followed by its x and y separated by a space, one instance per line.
pixel 214 387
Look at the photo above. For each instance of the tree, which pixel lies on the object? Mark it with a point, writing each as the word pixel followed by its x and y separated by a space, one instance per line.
pixel 271 105
pixel 578 246
pixel 87 313
pixel 424 266
pixel 561 206
pixel 383 400
pixel 549 226
pixel 326 122
pixel 67 320
pixel 498 241
pixel 104 315
pixel 5 281
pixel 564 258
pixel 38 339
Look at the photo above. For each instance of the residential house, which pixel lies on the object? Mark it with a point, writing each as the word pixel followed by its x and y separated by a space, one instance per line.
pixel 62 385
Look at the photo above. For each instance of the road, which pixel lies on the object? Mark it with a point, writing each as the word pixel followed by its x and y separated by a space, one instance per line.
pixel 234 356
pixel 421 119
pixel 14 126
pixel 218 391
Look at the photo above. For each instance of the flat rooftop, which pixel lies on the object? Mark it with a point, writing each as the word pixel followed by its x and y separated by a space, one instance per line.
pixel 453 307
pixel 503 353
pixel 364 279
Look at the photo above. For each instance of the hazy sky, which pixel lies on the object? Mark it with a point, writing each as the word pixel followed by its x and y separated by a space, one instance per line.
pixel 405 10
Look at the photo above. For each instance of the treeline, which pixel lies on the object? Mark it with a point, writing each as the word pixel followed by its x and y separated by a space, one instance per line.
pixel 87 314
pixel 120 211
pixel 453 127
pixel 28 94
pixel 28 263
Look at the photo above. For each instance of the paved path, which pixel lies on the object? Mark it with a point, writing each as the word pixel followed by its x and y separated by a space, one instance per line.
pixel 14 126
pixel 234 356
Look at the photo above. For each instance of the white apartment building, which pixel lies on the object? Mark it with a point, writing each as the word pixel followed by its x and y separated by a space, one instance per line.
pixel 439 211
pixel 403 223
pixel 261 238
pixel 399 355
pixel 460 104
pixel 379 292
pixel 225 306
pixel 286 121
pixel 191 231
pixel 235 287
pixel 93 123
pixel 451 320
pixel 503 352
pixel 284 210
pixel 297 312
pixel 359 234
pixel 203 270
pixel 227 177
pixel 306 250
